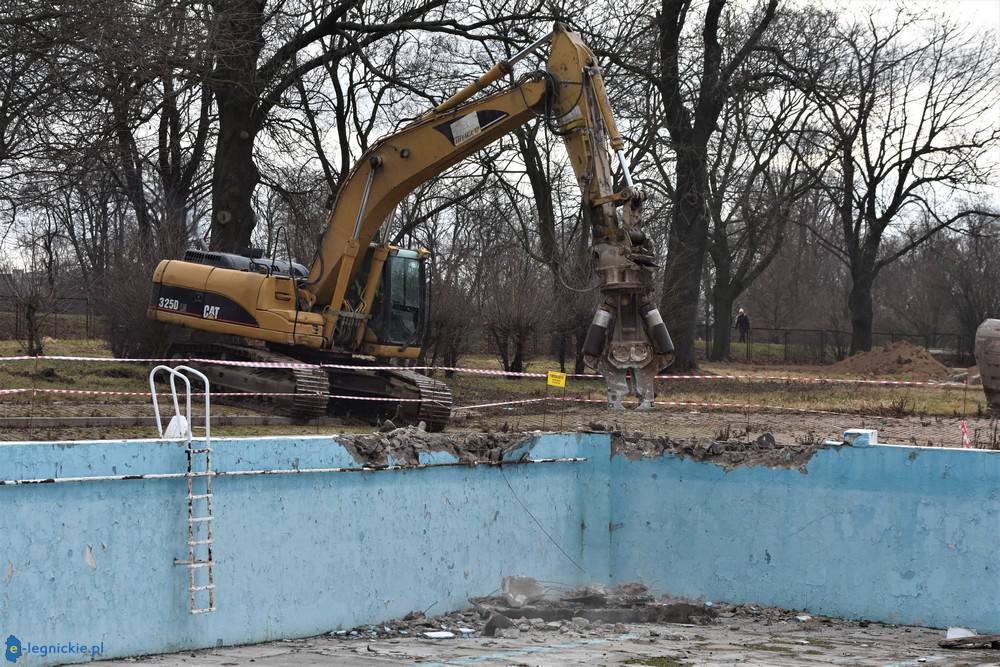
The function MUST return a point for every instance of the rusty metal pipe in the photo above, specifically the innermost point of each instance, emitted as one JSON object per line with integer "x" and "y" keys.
{"x": 277, "y": 471}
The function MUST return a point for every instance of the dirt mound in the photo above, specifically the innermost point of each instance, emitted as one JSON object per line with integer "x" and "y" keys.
{"x": 900, "y": 358}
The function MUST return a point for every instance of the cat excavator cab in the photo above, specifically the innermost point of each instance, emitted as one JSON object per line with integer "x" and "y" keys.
{"x": 310, "y": 337}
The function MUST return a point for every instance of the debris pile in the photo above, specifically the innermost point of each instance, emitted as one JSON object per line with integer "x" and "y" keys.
{"x": 762, "y": 451}
{"x": 582, "y": 607}
{"x": 585, "y": 611}
{"x": 404, "y": 445}
{"x": 899, "y": 359}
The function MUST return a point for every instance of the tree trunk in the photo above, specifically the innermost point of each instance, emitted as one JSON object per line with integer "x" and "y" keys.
{"x": 33, "y": 329}
{"x": 685, "y": 258}
{"x": 500, "y": 340}
{"x": 722, "y": 327}
{"x": 517, "y": 363}
{"x": 580, "y": 336}
{"x": 173, "y": 232}
{"x": 237, "y": 43}
{"x": 859, "y": 302}
{"x": 235, "y": 176}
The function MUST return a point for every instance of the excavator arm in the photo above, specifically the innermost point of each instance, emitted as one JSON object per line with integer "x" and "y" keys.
{"x": 627, "y": 339}
{"x": 335, "y": 311}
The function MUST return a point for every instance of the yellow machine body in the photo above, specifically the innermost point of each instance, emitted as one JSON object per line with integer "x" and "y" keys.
{"x": 347, "y": 302}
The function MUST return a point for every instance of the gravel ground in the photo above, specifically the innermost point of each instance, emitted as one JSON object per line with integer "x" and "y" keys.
{"x": 745, "y": 635}
{"x": 786, "y": 427}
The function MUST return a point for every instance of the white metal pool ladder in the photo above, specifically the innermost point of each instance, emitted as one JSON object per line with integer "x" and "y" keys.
{"x": 200, "y": 534}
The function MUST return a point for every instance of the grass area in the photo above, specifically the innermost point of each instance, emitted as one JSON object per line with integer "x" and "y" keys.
{"x": 70, "y": 374}
{"x": 62, "y": 347}
{"x": 53, "y": 324}
{"x": 754, "y": 385}
{"x": 779, "y": 353}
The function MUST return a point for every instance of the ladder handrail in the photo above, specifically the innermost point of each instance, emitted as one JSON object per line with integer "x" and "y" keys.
{"x": 176, "y": 372}
{"x": 195, "y": 562}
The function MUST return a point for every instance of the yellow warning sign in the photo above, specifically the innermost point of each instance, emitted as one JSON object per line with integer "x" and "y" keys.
{"x": 556, "y": 379}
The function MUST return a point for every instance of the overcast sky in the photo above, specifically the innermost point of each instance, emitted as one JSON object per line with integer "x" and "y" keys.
{"x": 982, "y": 14}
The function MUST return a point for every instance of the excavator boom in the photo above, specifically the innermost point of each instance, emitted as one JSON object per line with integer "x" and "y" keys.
{"x": 359, "y": 296}
{"x": 628, "y": 339}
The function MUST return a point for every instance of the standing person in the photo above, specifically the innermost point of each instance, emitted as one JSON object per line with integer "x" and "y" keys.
{"x": 743, "y": 324}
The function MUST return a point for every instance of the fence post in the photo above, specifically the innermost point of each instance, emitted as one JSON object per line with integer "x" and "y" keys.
{"x": 786, "y": 346}
{"x": 822, "y": 346}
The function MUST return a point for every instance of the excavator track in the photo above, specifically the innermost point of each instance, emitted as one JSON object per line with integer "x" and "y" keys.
{"x": 418, "y": 398}
{"x": 434, "y": 407}
{"x": 305, "y": 389}
{"x": 308, "y": 388}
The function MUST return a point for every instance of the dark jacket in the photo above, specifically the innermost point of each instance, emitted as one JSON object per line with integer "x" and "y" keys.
{"x": 743, "y": 322}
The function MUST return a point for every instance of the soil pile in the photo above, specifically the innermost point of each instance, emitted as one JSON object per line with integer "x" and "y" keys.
{"x": 900, "y": 358}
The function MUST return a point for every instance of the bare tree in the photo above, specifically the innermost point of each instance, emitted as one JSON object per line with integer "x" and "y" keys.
{"x": 691, "y": 115}
{"x": 910, "y": 107}
{"x": 31, "y": 278}
{"x": 972, "y": 275}
{"x": 260, "y": 55}
{"x": 516, "y": 307}
{"x": 914, "y": 293}
{"x": 756, "y": 182}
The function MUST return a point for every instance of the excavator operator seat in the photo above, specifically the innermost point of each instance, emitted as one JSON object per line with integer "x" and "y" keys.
{"x": 399, "y": 309}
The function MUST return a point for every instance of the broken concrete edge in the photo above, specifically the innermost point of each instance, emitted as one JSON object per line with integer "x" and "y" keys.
{"x": 411, "y": 446}
{"x": 727, "y": 454}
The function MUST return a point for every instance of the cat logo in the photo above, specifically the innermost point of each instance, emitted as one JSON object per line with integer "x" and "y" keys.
{"x": 211, "y": 313}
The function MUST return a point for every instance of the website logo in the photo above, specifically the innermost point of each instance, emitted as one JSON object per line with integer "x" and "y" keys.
{"x": 12, "y": 648}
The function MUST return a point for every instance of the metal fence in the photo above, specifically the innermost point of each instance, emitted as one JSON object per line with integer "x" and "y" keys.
{"x": 65, "y": 317}
{"x": 75, "y": 317}
{"x": 826, "y": 346}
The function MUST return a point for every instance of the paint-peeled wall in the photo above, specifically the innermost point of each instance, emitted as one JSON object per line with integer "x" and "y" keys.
{"x": 296, "y": 555}
{"x": 886, "y": 533}
{"x": 889, "y": 533}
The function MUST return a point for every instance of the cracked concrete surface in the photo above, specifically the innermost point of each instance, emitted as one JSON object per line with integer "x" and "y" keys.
{"x": 740, "y": 635}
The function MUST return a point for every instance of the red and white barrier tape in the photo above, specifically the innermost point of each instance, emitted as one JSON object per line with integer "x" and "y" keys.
{"x": 500, "y": 404}
{"x": 562, "y": 399}
{"x": 491, "y": 372}
{"x": 94, "y": 392}
{"x": 682, "y": 404}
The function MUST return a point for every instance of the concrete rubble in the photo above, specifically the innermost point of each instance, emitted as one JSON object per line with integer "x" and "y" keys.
{"x": 589, "y": 609}
{"x": 405, "y": 444}
{"x": 734, "y": 634}
{"x": 729, "y": 453}
{"x": 519, "y": 591}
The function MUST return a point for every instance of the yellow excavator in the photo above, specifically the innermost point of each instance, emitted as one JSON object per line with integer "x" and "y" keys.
{"x": 359, "y": 312}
